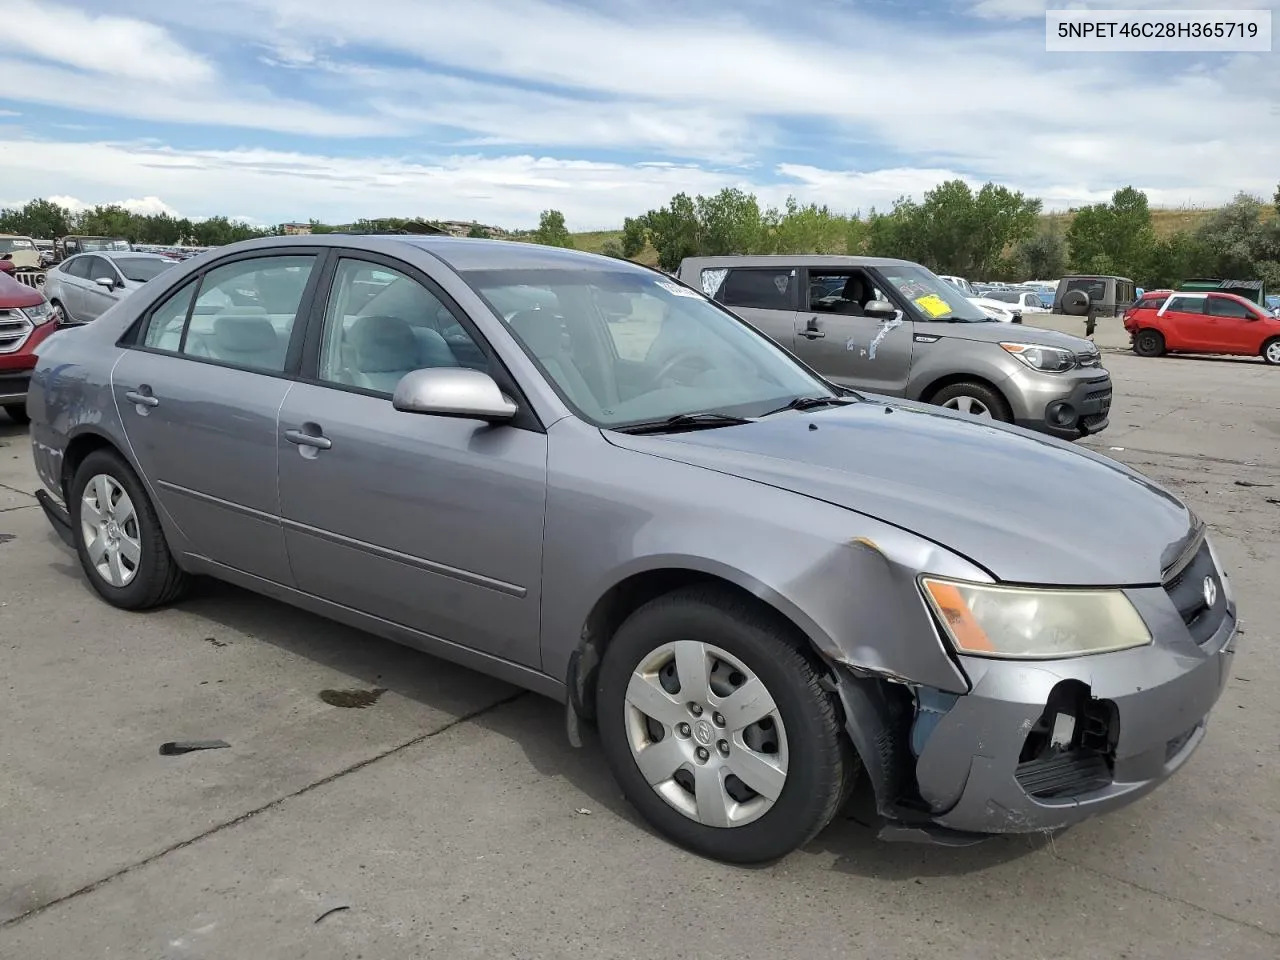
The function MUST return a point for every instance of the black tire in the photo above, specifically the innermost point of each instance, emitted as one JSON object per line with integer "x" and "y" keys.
{"x": 1148, "y": 343}
{"x": 988, "y": 396}
{"x": 1271, "y": 351}
{"x": 821, "y": 765}
{"x": 17, "y": 413}
{"x": 158, "y": 579}
{"x": 59, "y": 311}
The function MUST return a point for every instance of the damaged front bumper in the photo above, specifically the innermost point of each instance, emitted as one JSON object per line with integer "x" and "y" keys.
{"x": 1037, "y": 746}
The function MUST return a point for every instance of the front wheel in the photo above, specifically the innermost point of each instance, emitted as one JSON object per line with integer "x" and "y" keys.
{"x": 1148, "y": 343}
{"x": 1271, "y": 351}
{"x": 17, "y": 413}
{"x": 118, "y": 536}
{"x": 975, "y": 399}
{"x": 59, "y": 312}
{"x": 718, "y": 730}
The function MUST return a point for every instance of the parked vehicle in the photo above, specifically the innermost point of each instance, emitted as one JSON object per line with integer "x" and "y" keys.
{"x": 1255, "y": 291}
{"x": 1022, "y": 301}
{"x": 982, "y": 296}
{"x": 1109, "y": 296}
{"x": 19, "y": 251}
{"x": 25, "y": 322}
{"x": 1167, "y": 321}
{"x": 761, "y": 587}
{"x": 69, "y": 246}
{"x": 901, "y": 331}
{"x": 83, "y": 287}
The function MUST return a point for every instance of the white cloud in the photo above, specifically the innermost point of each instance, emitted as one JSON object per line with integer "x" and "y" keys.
{"x": 146, "y": 206}
{"x": 1035, "y": 9}
{"x": 117, "y": 46}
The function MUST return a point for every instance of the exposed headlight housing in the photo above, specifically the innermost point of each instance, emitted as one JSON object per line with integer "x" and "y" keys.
{"x": 39, "y": 314}
{"x": 1037, "y": 357}
{"x": 1022, "y": 623}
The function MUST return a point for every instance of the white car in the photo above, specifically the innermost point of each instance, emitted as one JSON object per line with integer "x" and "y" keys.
{"x": 1024, "y": 301}
{"x": 83, "y": 287}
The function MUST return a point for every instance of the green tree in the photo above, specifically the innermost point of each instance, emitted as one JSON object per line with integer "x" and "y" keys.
{"x": 551, "y": 230}
{"x": 729, "y": 223}
{"x": 1235, "y": 243}
{"x": 807, "y": 229}
{"x": 674, "y": 231}
{"x": 612, "y": 248}
{"x": 634, "y": 236}
{"x": 1041, "y": 257}
{"x": 478, "y": 232}
{"x": 111, "y": 220}
{"x": 1114, "y": 237}
{"x": 42, "y": 219}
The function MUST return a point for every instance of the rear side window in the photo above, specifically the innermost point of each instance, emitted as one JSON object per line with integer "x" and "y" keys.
{"x": 77, "y": 267}
{"x": 1152, "y": 303}
{"x": 1222, "y": 307}
{"x": 164, "y": 327}
{"x": 767, "y": 288}
{"x": 1186, "y": 305}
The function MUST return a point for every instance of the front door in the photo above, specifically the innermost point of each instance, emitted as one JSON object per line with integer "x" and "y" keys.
{"x": 765, "y": 297}
{"x": 433, "y": 523}
{"x": 1232, "y": 326}
{"x": 836, "y": 339}
{"x": 199, "y": 396}
{"x": 97, "y": 298}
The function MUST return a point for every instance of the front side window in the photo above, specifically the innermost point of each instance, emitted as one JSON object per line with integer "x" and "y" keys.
{"x": 1225, "y": 307}
{"x": 245, "y": 312}
{"x": 624, "y": 347}
{"x": 101, "y": 269}
{"x": 381, "y": 324}
{"x": 840, "y": 291}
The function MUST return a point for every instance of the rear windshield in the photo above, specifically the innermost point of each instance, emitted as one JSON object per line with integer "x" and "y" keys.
{"x": 142, "y": 269}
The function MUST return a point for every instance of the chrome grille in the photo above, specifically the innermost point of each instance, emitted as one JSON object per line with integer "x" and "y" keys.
{"x": 14, "y": 330}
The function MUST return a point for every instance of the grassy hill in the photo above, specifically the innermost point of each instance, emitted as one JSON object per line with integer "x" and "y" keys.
{"x": 1165, "y": 222}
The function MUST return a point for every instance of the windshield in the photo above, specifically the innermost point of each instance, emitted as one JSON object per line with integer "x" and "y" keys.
{"x": 933, "y": 297}
{"x": 141, "y": 269}
{"x": 624, "y": 347}
{"x": 14, "y": 244}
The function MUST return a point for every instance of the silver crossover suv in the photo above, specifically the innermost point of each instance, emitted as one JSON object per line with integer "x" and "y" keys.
{"x": 583, "y": 477}
{"x": 892, "y": 327}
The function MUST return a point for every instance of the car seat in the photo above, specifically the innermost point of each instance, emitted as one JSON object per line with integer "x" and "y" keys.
{"x": 246, "y": 341}
{"x": 384, "y": 350}
{"x": 543, "y": 334}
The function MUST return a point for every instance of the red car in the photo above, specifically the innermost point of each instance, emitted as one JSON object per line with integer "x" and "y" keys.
{"x": 25, "y": 321}
{"x": 1165, "y": 321}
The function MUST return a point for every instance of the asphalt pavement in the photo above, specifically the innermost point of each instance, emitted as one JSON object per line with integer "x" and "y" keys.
{"x": 449, "y": 817}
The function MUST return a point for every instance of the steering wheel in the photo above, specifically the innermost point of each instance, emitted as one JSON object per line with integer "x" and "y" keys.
{"x": 680, "y": 358}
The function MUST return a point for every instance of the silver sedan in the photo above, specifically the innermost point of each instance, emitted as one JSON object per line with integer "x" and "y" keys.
{"x": 586, "y": 478}
{"x": 83, "y": 287}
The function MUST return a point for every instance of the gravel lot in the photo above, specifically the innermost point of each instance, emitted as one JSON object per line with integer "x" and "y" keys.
{"x": 452, "y": 819}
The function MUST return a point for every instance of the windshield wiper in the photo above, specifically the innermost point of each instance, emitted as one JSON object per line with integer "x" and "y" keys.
{"x": 810, "y": 403}
{"x": 685, "y": 421}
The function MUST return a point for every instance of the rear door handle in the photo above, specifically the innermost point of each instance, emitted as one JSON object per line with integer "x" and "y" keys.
{"x": 143, "y": 399}
{"x": 308, "y": 439}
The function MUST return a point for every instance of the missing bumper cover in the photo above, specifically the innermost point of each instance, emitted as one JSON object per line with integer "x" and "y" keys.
{"x": 1070, "y": 751}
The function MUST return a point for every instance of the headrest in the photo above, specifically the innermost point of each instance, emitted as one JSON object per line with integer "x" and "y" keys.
{"x": 541, "y": 331}
{"x": 384, "y": 344}
{"x": 239, "y": 334}
{"x": 854, "y": 289}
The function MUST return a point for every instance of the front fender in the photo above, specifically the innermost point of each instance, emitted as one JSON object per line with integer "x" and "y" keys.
{"x": 848, "y": 582}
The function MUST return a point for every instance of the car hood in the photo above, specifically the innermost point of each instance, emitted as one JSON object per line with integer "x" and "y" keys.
{"x": 997, "y": 331}
{"x": 1027, "y": 508}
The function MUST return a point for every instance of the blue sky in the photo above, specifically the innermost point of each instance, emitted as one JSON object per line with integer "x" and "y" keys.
{"x": 493, "y": 110}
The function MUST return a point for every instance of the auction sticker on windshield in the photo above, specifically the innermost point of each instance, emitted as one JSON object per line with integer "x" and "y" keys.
{"x": 933, "y": 305}
{"x": 679, "y": 291}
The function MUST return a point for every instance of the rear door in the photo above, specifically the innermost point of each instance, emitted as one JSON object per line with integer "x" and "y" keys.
{"x": 1182, "y": 322}
{"x": 199, "y": 391}
{"x": 768, "y": 298}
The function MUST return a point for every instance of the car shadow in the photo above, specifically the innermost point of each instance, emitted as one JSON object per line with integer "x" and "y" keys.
{"x": 538, "y": 728}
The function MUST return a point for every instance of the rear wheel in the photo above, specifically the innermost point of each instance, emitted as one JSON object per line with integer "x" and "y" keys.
{"x": 17, "y": 413}
{"x": 118, "y": 536}
{"x": 1148, "y": 343}
{"x": 975, "y": 399}
{"x": 718, "y": 730}
{"x": 1271, "y": 351}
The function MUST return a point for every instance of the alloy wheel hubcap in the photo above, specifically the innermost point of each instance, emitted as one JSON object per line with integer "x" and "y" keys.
{"x": 109, "y": 528}
{"x": 969, "y": 405}
{"x": 1273, "y": 353}
{"x": 706, "y": 734}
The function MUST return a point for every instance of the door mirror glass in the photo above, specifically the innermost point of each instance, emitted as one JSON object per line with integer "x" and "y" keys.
{"x": 453, "y": 392}
{"x": 880, "y": 308}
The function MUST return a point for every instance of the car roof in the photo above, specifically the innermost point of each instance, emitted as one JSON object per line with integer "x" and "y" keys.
{"x": 798, "y": 260}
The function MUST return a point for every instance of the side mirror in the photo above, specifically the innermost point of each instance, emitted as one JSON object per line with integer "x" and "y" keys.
{"x": 880, "y": 308}
{"x": 453, "y": 392}
{"x": 105, "y": 282}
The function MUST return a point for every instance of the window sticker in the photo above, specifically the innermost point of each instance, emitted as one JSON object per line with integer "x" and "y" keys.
{"x": 933, "y": 305}
{"x": 676, "y": 290}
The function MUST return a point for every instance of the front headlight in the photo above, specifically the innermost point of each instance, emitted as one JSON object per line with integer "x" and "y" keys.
{"x": 41, "y": 313}
{"x": 1020, "y": 623}
{"x": 1050, "y": 359}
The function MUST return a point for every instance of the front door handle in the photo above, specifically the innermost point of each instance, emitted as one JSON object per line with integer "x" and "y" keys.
{"x": 308, "y": 439}
{"x": 811, "y": 332}
{"x": 142, "y": 399}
